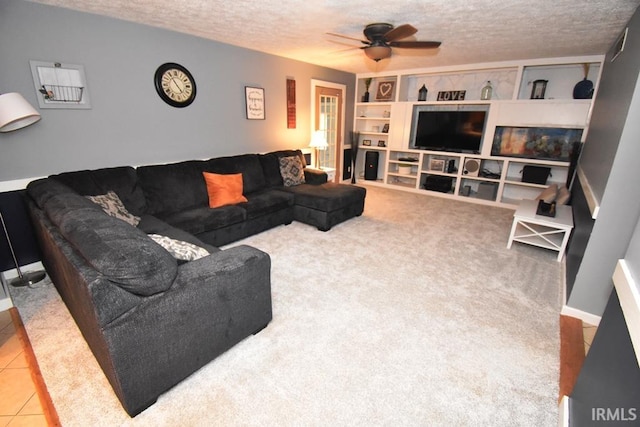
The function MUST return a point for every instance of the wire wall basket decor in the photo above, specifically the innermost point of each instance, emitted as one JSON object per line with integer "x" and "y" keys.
{"x": 62, "y": 93}
{"x": 60, "y": 85}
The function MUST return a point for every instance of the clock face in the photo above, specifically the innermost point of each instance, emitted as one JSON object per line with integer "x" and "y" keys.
{"x": 175, "y": 85}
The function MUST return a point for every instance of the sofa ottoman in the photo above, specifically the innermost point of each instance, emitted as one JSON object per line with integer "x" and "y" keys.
{"x": 326, "y": 205}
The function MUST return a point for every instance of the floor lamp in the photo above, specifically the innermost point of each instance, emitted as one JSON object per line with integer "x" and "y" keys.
{"x": 16, "y": 113}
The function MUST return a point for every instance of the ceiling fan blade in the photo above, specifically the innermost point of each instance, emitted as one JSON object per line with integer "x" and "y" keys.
{"x": 415, "y": 44}
{"x": 401, "y": 32}
{"x": 347, "y": 37}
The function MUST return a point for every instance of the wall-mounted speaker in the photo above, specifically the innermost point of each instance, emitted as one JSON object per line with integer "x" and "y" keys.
{"x": 471, "y": 167}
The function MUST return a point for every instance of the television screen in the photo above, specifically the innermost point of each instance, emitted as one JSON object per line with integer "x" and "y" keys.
{"x": 450, "y": 128}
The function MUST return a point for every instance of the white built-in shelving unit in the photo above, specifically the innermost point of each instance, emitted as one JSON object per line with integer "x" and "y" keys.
{"x": 385, "y": 125}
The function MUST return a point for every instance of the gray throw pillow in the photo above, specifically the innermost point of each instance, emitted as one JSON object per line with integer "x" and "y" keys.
{"x": 292, "y": 171}
{"x": 112, "y": 205}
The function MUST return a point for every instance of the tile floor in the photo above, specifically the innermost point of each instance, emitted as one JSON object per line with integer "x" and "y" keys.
{"x": 19, "y": 402}
{"x": 588, "y": 331}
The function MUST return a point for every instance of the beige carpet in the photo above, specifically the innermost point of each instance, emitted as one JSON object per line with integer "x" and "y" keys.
{"x": 413, "y": 314}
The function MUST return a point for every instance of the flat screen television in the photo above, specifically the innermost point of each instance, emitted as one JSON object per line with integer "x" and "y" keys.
{"x": 455, "y": 128}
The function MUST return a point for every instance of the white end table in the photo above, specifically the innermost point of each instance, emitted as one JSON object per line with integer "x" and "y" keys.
{"x": 539, "y": 230}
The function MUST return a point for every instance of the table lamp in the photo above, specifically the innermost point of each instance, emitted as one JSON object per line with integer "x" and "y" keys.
{"x": 318, "y": 142}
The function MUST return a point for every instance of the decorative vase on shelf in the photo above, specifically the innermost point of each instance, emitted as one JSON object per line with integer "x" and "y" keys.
{"x": 584, "y": 88}
{"x": 422, "y": 93}
{"x": 367, "y": 83}
{"x": 486, "y": 91}
{"x": 355, "y": 140}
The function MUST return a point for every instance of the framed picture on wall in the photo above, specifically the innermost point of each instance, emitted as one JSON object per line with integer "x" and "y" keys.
{"x": 254, "y": 97}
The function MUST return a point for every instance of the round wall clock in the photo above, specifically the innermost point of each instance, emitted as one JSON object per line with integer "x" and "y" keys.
{"x": 175, "y": 84}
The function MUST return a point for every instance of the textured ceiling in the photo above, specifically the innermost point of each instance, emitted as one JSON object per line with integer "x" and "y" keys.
{"x": 471, "y": 31}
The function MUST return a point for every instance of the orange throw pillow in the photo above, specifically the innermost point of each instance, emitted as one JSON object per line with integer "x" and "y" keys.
{"x": 224, "y": 189}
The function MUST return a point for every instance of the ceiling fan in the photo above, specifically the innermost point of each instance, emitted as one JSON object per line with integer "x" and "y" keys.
{"x": 381, "y": 37}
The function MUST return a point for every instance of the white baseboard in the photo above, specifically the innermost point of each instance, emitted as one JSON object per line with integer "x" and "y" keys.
{"x": 589, "y": 318}
{"x": 563, "y": 412}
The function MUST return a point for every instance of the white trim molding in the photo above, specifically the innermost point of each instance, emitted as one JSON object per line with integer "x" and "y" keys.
{"x": 589, "y": 318}
{"x": 592, "y": 201}
{"x": 629, "y": 296}
{"x": 563, "y": 412}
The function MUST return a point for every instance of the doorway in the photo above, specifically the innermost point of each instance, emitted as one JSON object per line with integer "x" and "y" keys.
{"x": 328, "y": 117}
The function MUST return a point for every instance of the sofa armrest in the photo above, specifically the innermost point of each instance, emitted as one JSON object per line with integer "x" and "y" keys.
{"x": 315, "y": 176}
{"x": 214, "y": 303}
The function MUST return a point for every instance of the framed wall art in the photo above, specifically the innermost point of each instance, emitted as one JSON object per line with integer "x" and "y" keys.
{"x": 436, "y": 165}
{"x": 254, "y": 97}
{"x": 385, "y": 91}
{"x": 60, "y": 85}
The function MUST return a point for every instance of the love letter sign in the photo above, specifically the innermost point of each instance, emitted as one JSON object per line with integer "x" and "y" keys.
{"x": 451, "y": 95}
{"x": 385, "y": 91}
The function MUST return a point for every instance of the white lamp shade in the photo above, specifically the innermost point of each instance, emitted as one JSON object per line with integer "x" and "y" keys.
{"x": 318, "y": 140}
{"x": 16, "y": 112}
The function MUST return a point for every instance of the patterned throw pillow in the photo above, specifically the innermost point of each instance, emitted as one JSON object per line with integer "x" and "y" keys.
{"x": 112, "y": 205}
{"x": 292, "y": 171}
{"x": 178, "y": 249}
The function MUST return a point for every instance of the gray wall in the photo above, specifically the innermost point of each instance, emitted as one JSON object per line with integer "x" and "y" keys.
{"x": 128, "y": 123}
{"x": 609, "y": 160}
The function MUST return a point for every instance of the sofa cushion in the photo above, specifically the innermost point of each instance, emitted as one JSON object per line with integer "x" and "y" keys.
{"x": 152, "y": 225}
{"x": 122, "y": 180}
{"x": 224, "y": 189}
{"x": 271, "y": 168}
{"x": 119, "y": 251}
{"x": 113, "y": 206}
{"x": 58, "y": 206}
{"x": 200, "y": 220}
{"x": 247, "y": 164}
{"x": 292, "y": 171}
{"x": 267, "y": 202}
{"x": 41, "y": 190}
{"x": 327, "y": 197}
{"x": 179, "y": 249}
{"x": 173, "y": 187}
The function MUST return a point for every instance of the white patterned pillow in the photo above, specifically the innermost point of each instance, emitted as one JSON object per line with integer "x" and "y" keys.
{"x": 292, "y": 171}
{"x": 112, "y": 205}
{"x": 178, "y": 249}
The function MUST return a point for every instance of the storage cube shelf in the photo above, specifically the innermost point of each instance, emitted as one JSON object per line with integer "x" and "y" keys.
{"x": 387, "y": 125}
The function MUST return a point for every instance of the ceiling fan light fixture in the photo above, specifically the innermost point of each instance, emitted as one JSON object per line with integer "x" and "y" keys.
{"x": 377, "y": 52}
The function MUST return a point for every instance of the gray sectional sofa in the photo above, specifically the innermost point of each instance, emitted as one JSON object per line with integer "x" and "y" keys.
{"x": 149, "y": 318}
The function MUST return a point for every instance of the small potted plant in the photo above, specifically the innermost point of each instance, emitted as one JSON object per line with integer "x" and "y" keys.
{"x": 367, "y": 83}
